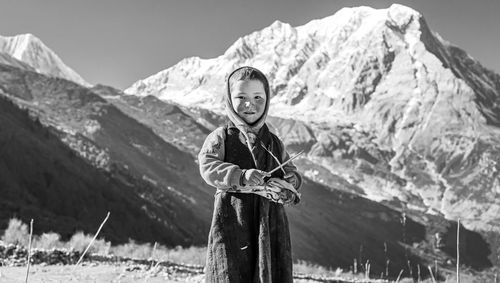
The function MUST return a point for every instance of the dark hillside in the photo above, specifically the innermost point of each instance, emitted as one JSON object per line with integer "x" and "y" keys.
{"x": 335, "y": 228}
{"x": 165, "y": 178}
{"x": 41, "y": 178}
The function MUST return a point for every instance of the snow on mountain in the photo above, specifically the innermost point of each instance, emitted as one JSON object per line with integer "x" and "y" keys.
{"x": 395, "y": 109}
{"x": 315, "y": 58}
{"x": 340, "y": 62}
{"x": 29, "y": 49}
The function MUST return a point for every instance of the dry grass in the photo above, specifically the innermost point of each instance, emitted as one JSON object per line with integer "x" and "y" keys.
{"x": 18, "y": 233}
{"x": 93, "y": 239}
{"x": 305, "y": 267}
{"x": 47, "y": 241}
{"x": 28, "y": 263}
{"x": 190, "y": 255}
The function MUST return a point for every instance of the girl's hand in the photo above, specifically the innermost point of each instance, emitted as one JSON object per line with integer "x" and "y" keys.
{"x": 292, "y": 179}
{"x": 254, "y": 177}
{"x": 287, "y": 197}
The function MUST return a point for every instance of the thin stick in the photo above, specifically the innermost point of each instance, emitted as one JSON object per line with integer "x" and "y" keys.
{"x": 419, "y": 279}
{"x": 367, "y": 269}
{"x": 91, "y": 242}
{"x": 250, "y": 148}
{"x": 275, "y": 158}
{"x": 436, "y": 267}
{"x": 410, "y": 269}
{"x": 386, "y": 260}
{"x": 29, "y": 250}
{"x": 152, "y": 262}
{"x": 432, "y": 275}
{"x": 399, "y": 276}
{"x": 153, "y": 255}
{"x": 458, "y": 250}
{"x": 286, "y": 162}
{"x": 387, "y": 268}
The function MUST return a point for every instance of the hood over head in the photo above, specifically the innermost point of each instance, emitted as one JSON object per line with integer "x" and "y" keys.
{"x": 246, "y": 73}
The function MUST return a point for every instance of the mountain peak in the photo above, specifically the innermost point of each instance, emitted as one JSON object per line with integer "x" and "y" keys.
{"x": 28, "y": 37}
{"x": 402, "y": 15}
{"x": 277, "y": 24}
{"x": 32, "y": 51}
{"x": 401, "y": 9}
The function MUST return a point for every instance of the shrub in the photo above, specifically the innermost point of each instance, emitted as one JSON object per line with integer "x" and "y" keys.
{"x": 191, "y": 255}
{"x": 48, "y": 241}
{"x": 16, "y": 233}
{"x": 79, "y": 241}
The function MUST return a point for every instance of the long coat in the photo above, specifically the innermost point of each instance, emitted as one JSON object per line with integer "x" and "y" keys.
{"x": 249, "y": 239}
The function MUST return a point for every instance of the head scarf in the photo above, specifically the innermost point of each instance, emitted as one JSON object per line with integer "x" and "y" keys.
{"x": 248, "y": 130}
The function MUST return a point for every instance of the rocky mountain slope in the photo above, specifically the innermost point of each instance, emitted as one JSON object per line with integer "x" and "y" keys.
{"x": 385, "y": 108}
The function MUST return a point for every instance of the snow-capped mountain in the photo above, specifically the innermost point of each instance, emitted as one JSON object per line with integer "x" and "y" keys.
{"x": 341, "y": 62}
{"x": 315, "y": 58}
{"x": 393, "y": 109}
{"x": 32, "y": 51}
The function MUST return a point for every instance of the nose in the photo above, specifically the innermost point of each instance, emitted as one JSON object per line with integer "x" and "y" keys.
{"x": 248, "y": 104}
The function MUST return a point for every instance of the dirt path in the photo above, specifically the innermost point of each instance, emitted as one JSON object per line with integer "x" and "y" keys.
{"x": 107, "y": 273}
{"x": 102, "y": 273}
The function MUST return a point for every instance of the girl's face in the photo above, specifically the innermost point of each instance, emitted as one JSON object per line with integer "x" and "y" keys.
{"x": 249, "y": 99}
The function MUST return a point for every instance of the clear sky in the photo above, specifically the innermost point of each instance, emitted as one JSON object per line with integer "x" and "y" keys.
{"x": 117, "y": 42}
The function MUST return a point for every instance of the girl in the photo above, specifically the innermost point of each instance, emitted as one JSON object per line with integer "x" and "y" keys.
{"x": 249, "y": 239}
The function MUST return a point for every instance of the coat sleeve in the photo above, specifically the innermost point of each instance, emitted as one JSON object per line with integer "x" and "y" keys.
{"x": 290, "y": 168}
{"x": 213, "y": 169}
